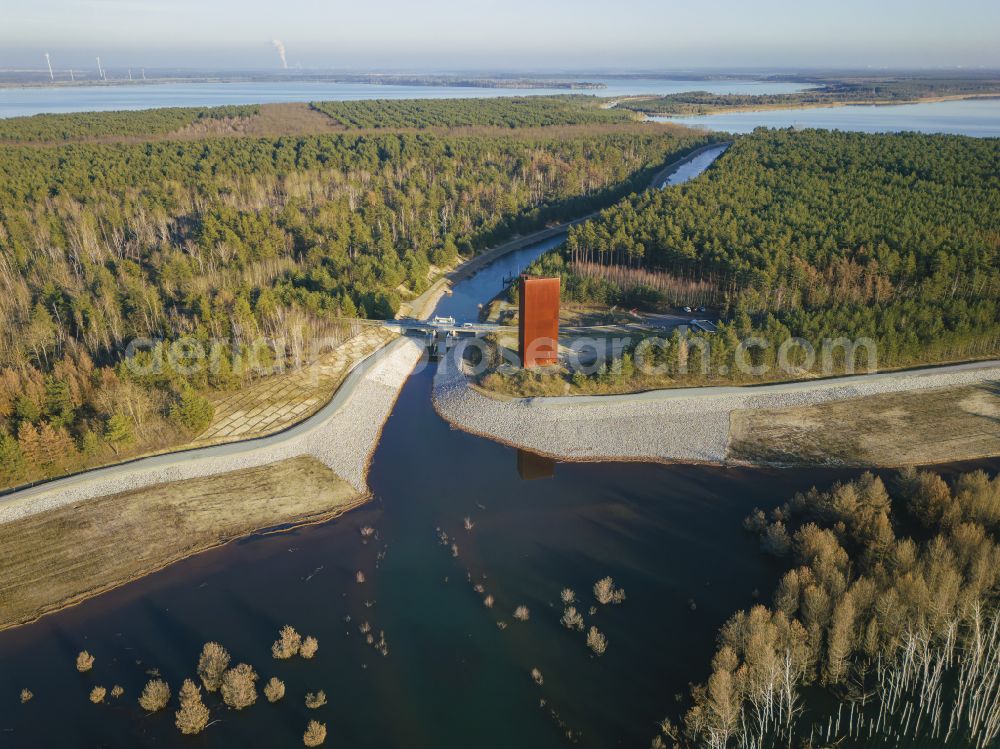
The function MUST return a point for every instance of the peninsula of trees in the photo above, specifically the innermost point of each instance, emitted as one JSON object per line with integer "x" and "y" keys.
{"x": 904, "y": 90}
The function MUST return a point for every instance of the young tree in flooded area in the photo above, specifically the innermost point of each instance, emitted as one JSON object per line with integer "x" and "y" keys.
{"x": 596, "y": 641}
{"x": 316, "y": 700}
{"x": 155, "y": 695}
{"x": 239, "y": 688}
{"x": 212, "y": 663}
{"x": 572, "y": 619}
{"x": 84, "y": 662}
{"x": 309, "y": 647}
{"x": 315, "y": 734}
{"x": 193, "y": 715}
{"x": 97, "y": 694}
{"x": 605, "y": 591}
{"x": 288, "y": 643}
{"x": 274, "y": 690}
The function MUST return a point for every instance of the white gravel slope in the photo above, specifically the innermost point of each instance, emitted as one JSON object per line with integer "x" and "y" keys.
{"x": 342, "y": 435}
{"x": 689, "y": 424}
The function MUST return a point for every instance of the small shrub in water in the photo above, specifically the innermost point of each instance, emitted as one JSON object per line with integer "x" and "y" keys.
{"x": 522, "y": 614}
{"x": 84, "y": 662}
{"x": 605, "y": 592}
{"x": 117, "y": 691}
{"x": 315, "y": 734}
{"x": 488, "y": 602}
{"x": 274, "y": 690}
{"x": 596, "y": 641}
{"x": 238, "y": 686}
{"x": 537, "y": 676}
{"x": 97, "y": 695}
{"x": 309, "y": 647}
{"x": 314, "y": 701}
{"x": 572, "y": 619}
{"x": 568, "y": 596}
{"x": 288, "y": 643}
{"x": 26, "y": 695}
{"x": 155, "y": 695}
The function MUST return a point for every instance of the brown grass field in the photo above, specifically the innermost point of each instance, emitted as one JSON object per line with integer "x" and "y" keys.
{"x": 61, "y": 557}
{"x": 939, "y": 425}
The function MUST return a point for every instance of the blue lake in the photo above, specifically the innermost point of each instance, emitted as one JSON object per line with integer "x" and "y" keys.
{"x": 979, "y": 117}
{"x": 16, "y": 102}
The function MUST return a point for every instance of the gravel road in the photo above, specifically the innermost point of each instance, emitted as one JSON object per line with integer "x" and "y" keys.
{"x": 689, "y": 424}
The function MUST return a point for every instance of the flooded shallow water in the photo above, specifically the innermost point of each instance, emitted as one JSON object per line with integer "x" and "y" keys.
{"x": 670, "y": 535}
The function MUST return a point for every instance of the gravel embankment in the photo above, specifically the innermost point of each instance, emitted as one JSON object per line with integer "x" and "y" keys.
{"x": 690, "y": 424}
{"x": 343, "y": 435}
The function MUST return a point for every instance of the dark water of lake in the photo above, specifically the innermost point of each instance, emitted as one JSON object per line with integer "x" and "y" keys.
{"x": 670, "y": 535}
{"x": 16, "y": 102}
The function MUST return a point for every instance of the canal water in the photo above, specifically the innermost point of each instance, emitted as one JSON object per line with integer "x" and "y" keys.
{"x": 670, "y": 535}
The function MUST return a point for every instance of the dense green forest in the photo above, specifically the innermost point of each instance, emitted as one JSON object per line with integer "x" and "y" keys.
{"x": 880, "y": 91}
{"x": 817, "y": 234}
{"x": 886, "y": 629}
{"x": 237, "y": 238}
{"x": 525, "y": 111}
{"x": 80, "y": 125}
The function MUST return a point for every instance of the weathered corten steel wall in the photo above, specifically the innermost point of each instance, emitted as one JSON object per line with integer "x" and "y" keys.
{"x": 538, "y": 321}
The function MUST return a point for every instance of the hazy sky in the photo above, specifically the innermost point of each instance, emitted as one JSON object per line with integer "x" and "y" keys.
{"x": 507, "y": 34}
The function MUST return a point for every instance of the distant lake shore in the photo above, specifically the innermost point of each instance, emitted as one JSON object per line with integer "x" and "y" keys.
{"x": 977, "y": 116}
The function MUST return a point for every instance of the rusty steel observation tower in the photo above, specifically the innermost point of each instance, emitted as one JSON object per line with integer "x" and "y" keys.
{"x": 538, "y": 321}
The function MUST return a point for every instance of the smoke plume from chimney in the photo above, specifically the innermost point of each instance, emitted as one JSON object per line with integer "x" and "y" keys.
{"x": 278, "y": 45}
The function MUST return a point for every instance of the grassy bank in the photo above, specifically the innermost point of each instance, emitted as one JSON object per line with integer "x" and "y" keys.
{"x": 941, "y": 425}
{"x": 61, "y": 557}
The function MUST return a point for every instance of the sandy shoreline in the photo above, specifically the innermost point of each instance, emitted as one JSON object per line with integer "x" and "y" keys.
{"x": 684, "y": 425}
